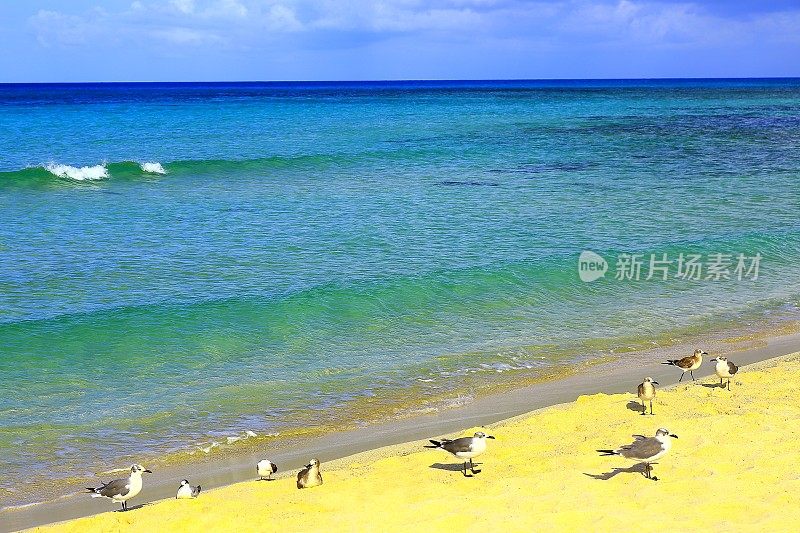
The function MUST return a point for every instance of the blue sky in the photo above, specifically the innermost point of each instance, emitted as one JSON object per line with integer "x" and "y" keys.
{"x": 185, "y": 40}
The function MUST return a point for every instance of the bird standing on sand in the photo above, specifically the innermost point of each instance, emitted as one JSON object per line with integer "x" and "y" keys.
{"x": 121, "y": 490}
{"x": 725, "y": 370}
{"x": 688, "y": 364}
{"x": 646, "y": 392}
{"x": 309, "y": 476}
{"x": 186, "y": 491}
{"x": 464, "y": 448}
{"x": 265, "y": 469}
{"x": 645, "y": 449}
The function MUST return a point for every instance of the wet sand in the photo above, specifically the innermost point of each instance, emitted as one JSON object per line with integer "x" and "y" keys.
{"x": 617, "y": 377}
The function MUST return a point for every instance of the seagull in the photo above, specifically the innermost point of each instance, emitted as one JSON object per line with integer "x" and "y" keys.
{"x": 464, "y": 448}
{"x": 725, "y": 369}
{"x": 647, "y": 391}
{"x": 121, "y": 490}
{"x": 688, "y": 364}
{"x": 186, "y": 491}
{"x": 265, "y": 469}
{"x": 309, "y": 476}
{"x": 645, "y": 449}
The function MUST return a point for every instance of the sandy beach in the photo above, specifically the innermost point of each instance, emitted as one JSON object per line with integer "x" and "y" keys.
{"x": 733, "y": 467}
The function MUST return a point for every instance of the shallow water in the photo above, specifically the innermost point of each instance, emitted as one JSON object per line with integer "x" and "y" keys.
{"x": 299, "y": 247}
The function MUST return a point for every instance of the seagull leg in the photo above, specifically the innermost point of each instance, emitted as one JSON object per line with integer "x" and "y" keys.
{"x": 681, "y": 377}
{"x": 472, "y": 468}
{"x": 647, "y": 470}
{"x": 654, "y": 478}
{"x": 644, "y": 408}
{"x": 729, "y": 383}
{"x": 691, "y": 372}
{"x": 651, "y": 407}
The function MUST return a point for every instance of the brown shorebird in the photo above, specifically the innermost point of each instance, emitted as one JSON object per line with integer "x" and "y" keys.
{"x": 646, "y": 392}
{"x": 309, "y": 476}
{"x": 464, "y": 448}
{"x": 725, "y": 370}
{"x": 688, "y": 364}
{"x": 645, "y": 449}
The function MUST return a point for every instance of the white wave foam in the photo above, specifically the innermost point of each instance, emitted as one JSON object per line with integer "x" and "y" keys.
{"x": 152, "y": 168}
{"x": 115, "y": 470}
{"x": 21, "y": 506}
{"x": 207, "y": 449}
{"x": 97, "y": 172}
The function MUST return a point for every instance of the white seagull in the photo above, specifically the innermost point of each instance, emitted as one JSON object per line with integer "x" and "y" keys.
{"x": 645, "y": 449}
{"x": 265, "y": 469}
{"x": 646, "y": 392}
{"x": 464, "y": 448}
{"x": 725, "y": 370}
{"x": 186, "y": 491}
{"x": 121, "y": 490}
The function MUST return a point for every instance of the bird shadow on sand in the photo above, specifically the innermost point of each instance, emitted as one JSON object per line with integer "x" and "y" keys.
{"x": 634, "y": 406}
{"x": 132, "y": 508}
{"x": 714, "y": 385}
{"x": 452, "y": 467}
{"x": 635, "y": 469}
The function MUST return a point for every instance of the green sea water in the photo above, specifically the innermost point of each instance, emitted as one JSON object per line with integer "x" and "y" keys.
{"x": 301, "y": 247}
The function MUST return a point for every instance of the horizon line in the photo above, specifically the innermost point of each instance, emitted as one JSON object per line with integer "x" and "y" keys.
{"x": 406, "y": 80}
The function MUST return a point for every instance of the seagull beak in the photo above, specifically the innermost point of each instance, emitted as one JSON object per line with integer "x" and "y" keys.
{"x": 656, "y": 383}
{"x": 714, "y": 360}
{"x": 149, "y": 471}
{"x": 705, "y": 353}
{"x": 674, "y": 436}
{"x": 490, "y": 437}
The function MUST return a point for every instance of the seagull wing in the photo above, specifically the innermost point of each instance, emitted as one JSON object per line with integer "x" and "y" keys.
{"x": 302, "y": 478}
{"x": 118, "y": 487}
{"x": 642, "y": 448}
{"x": 637, "y": 437}
{"x": 464, "y": 444}
{"x": 640, "y": 389}
{"x": 732, "y": 369}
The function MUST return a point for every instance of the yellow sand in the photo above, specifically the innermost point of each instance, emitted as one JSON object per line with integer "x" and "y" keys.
{"x": 736, "y": 467}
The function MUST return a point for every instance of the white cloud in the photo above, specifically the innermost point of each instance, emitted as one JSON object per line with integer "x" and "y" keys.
{"x": 223, "y": 9}
{"x": 241, "y": 23}
{"x": 186, "y": 36}
{"x": 282, "y": 18}
{"x": 184, "y": 6}
{"x": 52, "y": 27}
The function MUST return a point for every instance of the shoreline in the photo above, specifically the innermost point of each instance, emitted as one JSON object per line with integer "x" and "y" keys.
{"x": 621, "y": 375}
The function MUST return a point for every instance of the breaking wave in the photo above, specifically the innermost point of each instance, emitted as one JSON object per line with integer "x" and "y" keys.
{"x": 96, "y": 172}
{"x": 152, "y": 168}
{"x": 53, "y": 173}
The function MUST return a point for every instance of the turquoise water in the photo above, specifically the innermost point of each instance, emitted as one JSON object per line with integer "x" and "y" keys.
{"x": 300, "y": 247}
